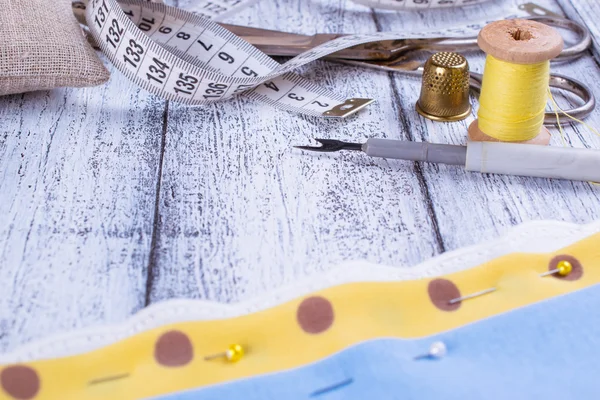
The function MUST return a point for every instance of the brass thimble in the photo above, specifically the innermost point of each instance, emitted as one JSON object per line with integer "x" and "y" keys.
{"x": 445, "y": 88}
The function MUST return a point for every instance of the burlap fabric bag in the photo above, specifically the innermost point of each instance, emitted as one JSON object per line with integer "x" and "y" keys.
{"x": 42, "y": 47}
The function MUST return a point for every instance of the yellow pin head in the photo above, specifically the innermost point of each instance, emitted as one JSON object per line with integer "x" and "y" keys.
{"x": 564, "y": 268}
{"x": 234, "y": 353}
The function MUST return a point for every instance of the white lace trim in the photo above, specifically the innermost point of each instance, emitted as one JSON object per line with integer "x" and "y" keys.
{"x": 532, "y": 237}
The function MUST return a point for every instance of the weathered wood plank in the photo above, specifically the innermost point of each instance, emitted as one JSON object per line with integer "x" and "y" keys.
{"x": 241, "y": 212}
{"x": 78, "y": 172}
{"x": 587, "y": 12}
{"x": 471, "y": 207}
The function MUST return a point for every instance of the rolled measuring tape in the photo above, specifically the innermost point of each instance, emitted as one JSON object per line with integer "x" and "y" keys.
{"x": 185, "y": 57}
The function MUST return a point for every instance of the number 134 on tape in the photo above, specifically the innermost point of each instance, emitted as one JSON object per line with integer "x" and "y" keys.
{"x": 186, "y": 58}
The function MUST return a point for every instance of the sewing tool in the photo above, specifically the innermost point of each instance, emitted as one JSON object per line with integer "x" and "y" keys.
{"x": 331, "y": 388}
{"x": 394, "y": 55}
{"x": 445, "y": 88}
{"x": 515, "y": 88}
{"x": 436, "y": 350}
{"x": 472, "y": 295}
{"x": 234, "y": 353}
{"x": 108, "y": 379}
{"x": 187, "y": 58}
{"x": 484, "y": 157}
{"x": 563, "y": 269}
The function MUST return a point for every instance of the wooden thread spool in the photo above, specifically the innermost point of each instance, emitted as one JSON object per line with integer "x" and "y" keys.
{"x": 515, "y": 41}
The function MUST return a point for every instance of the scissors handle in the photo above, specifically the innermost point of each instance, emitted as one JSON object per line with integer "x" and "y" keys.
{"x": 390, "y": 50}
{"x": 575, "y": 50}
{"x": 276, "y": 43}
{"x": 397, "y": 49}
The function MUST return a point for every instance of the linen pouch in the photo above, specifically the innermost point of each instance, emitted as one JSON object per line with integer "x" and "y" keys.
{"x": 42, "y": 47}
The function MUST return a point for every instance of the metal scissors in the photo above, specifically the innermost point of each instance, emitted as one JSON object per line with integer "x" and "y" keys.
{"x": 393, "y": 55}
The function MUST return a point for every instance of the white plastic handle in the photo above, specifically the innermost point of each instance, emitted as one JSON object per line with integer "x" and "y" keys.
{"x": 534, "y": 160}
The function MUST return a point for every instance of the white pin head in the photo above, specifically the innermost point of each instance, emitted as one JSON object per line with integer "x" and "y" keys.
{"x": 436, "y": 350}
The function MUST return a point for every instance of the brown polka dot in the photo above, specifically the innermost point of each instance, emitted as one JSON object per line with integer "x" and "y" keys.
{"x": 441, "y": 291}
{"x": 173, "y": 349}
{"x": 315, "y": 314}
{"x": 575, "y": 274}
{"x": 20, "y": 382}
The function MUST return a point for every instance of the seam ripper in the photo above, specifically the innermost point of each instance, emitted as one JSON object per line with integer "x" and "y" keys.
{"x": 485, "y": 157}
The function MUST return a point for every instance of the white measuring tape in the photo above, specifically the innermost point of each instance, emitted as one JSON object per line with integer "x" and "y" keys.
{"x": 185, "y": 57}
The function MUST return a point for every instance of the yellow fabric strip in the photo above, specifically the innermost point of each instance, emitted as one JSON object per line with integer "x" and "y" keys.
{"x": 171, "y": 358}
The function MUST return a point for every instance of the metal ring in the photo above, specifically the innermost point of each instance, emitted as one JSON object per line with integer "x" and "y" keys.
{"x": 576, "y": 50}
{"x": 559, "y": 82}
{"x": 579, "y": 90}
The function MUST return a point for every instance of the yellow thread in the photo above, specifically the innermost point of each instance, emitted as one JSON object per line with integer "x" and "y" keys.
{"x": 513, "y": 99}
{"x": 556, "y": 107}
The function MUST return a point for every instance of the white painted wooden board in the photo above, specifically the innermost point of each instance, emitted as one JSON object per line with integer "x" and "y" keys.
{"x": 241, "y": 212}
{"x": 471, "y": 207}
{"x": 587, "y": 11}
{"x": 78, "y": 172}
{"x": 133, "y": 201}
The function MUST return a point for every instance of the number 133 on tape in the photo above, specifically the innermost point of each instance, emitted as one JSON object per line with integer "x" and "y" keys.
{"x": 187, "y": 58}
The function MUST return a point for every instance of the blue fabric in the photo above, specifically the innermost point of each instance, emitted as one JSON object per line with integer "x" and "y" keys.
{"x": 549, "y": 350}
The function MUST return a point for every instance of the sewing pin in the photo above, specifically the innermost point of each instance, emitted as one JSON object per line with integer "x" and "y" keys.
{"x": 108, "y": 379}
{"x": 234, "y": 353}
{"x": 331, "y": 388}
{"x": 563, "y": 268}
{"x": 436, "y": 350}
{"x": 470, "y": 296}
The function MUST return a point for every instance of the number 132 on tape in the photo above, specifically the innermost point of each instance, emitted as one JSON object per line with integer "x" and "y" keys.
{"x": 186, "y": 58}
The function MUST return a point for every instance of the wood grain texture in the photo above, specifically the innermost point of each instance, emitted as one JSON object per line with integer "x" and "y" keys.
{"x": 273, "y": 212}
{"x": 588, "y": 12}
{"x": 241, "y": 212}
{"x": 471, "y": 207}
{"x": 111, "y": 199}
{"x": 78, "y": 173}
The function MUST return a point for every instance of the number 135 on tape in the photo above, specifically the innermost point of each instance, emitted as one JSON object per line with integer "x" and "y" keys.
{"x": 183, "y": 57}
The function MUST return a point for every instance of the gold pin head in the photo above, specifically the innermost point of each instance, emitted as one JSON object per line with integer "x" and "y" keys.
{"x": 234, "y": 353}
{"x": 564, "y": 268}
{"x": 445, "y": 88}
